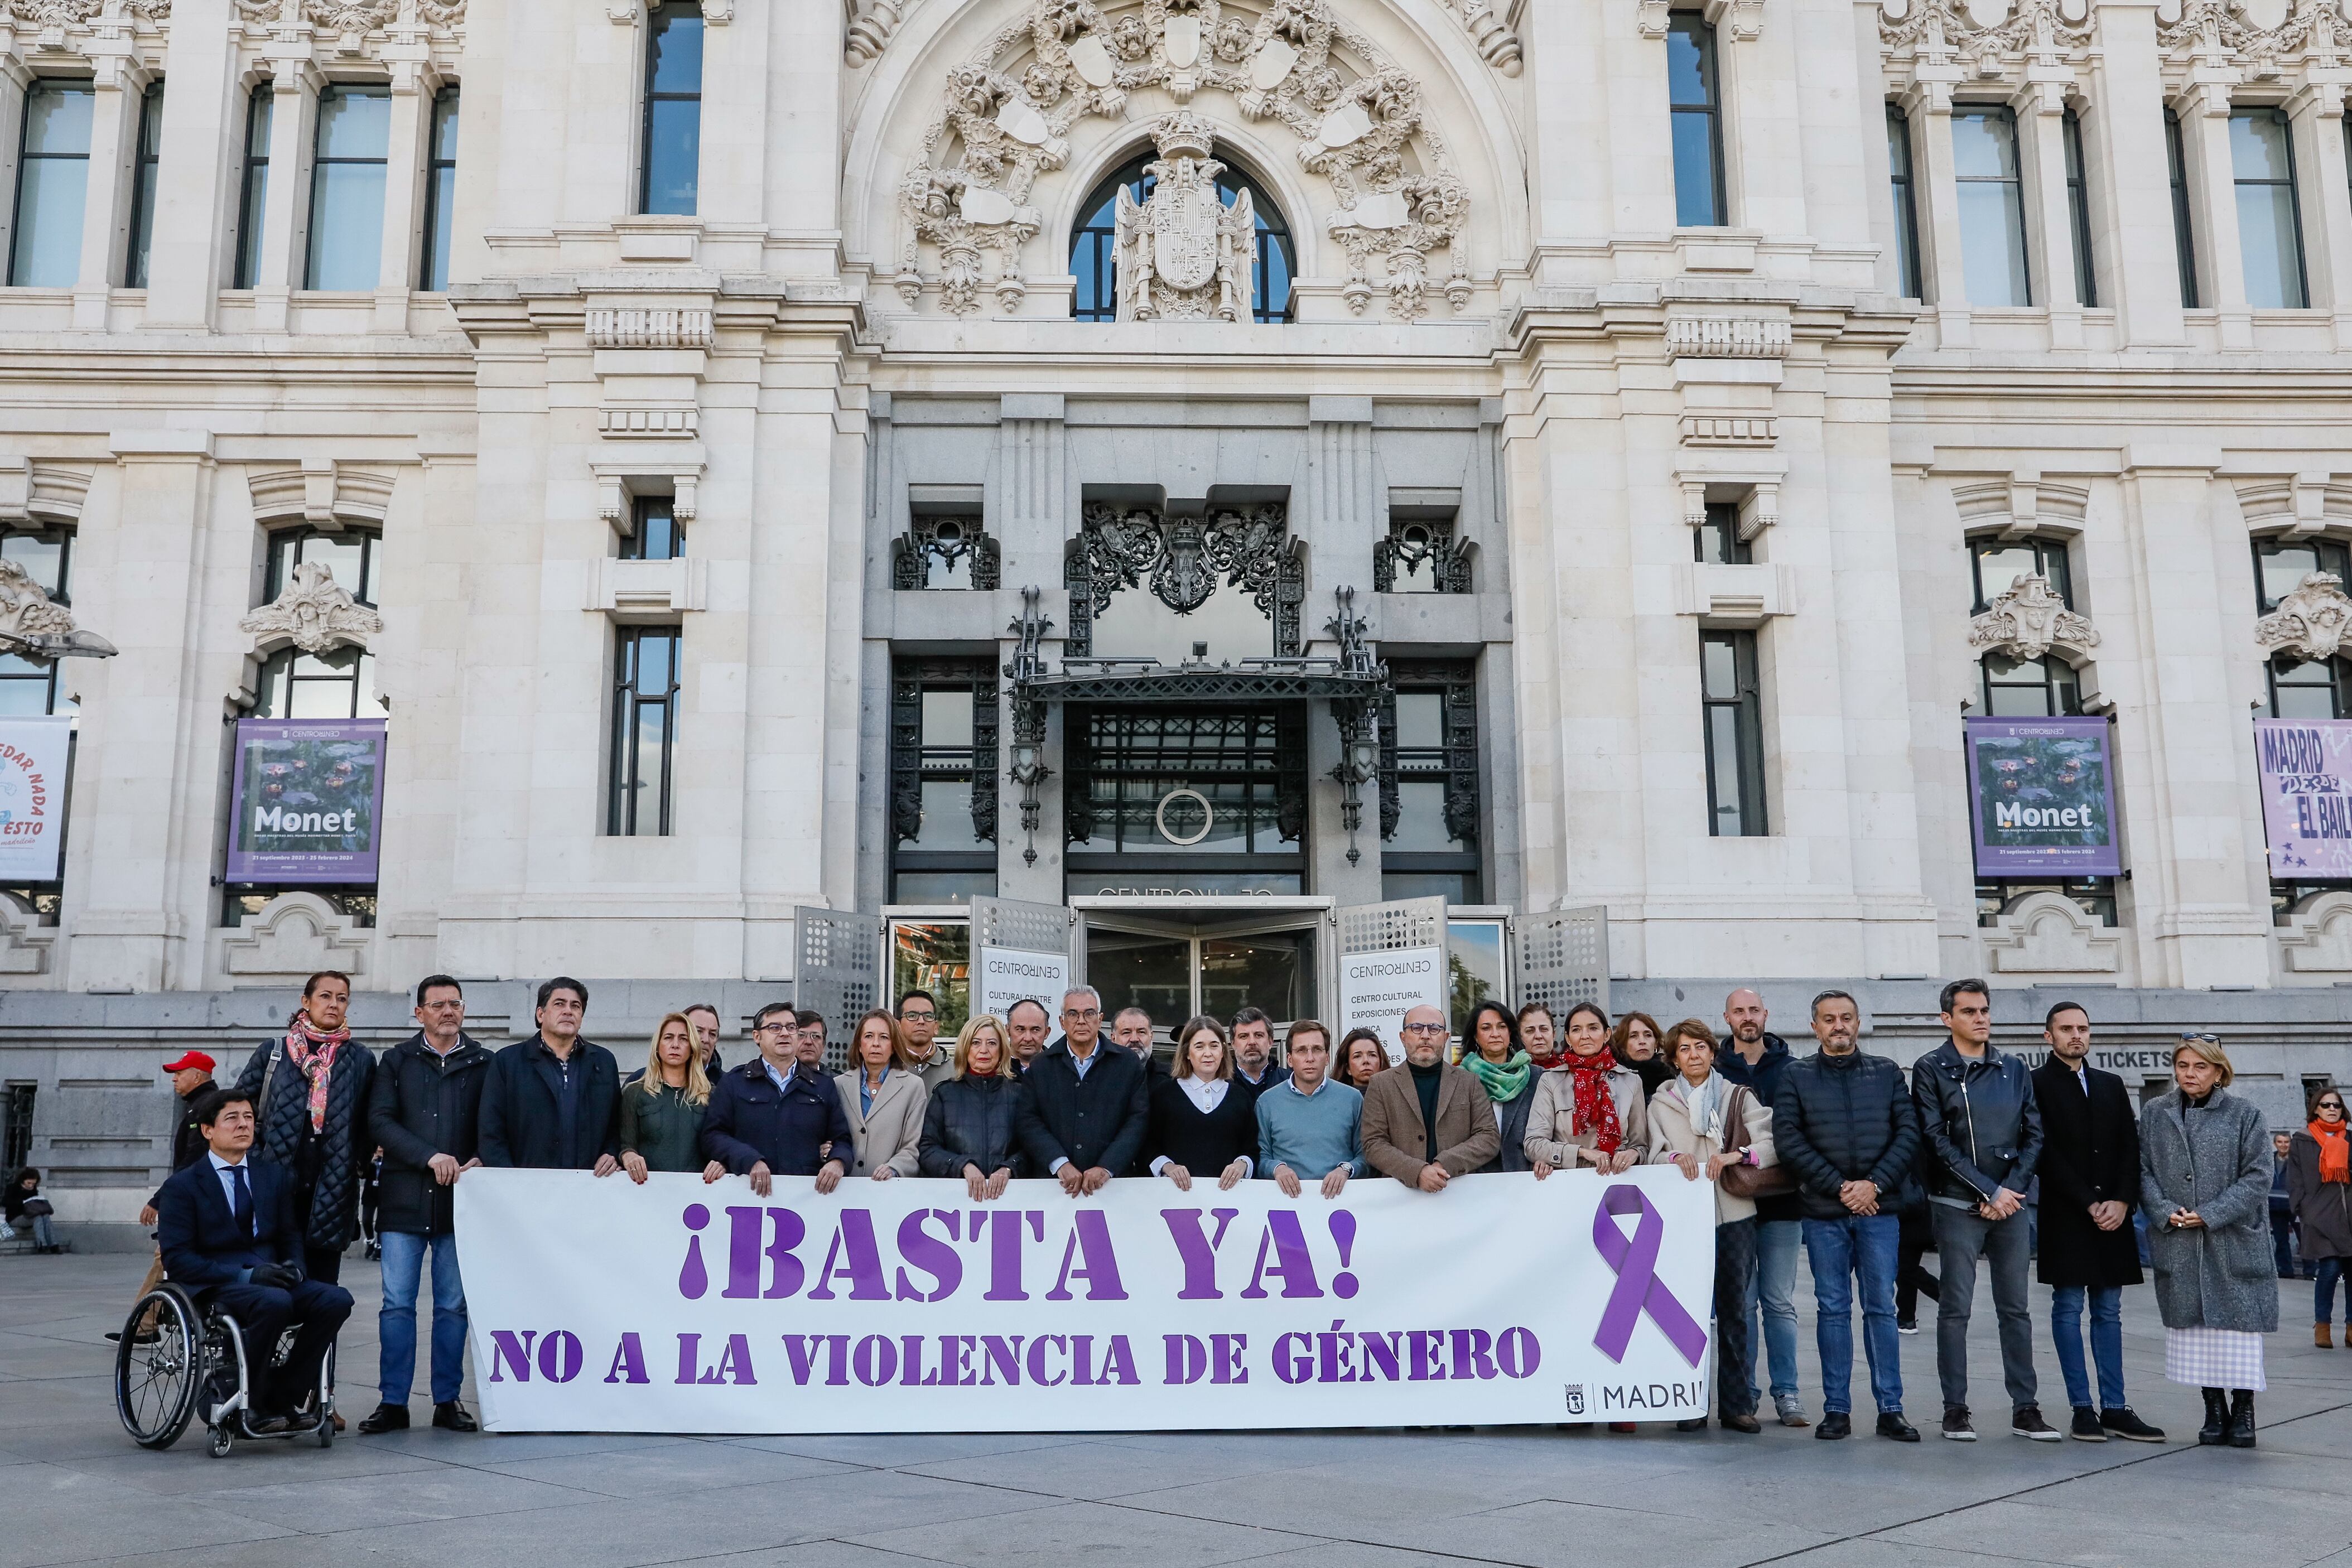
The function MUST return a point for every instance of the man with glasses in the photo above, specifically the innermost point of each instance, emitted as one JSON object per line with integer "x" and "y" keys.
{"x": 775, "y": 1115}
{"x": 1083, "y": 1109}
{"x": 1427, "y": 1122}
{"x": 919, "y": 1015}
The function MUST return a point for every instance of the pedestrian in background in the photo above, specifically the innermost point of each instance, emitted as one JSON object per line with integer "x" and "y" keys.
{"x": 2282, "y": 1207}
{"x": 1539, "y": 1036}
{"x": 424, "y": 1113}
{"x": 884, "y": 1098}
{"x": 662, "y": 1106}
{"x": 2205, "y": 1172}
{"x": 1753, "y": 1055}
{"x": 2320, "y": 1183}
{"x": 1504, "y": 1070}
{"x": 22, "y": 1207}
{"x": 971, "y": 1123}
{"x": 554, "y": 1100}
{"x": 192, "y": 1080}
{"x": 918, "y": 1025}
{"x": 1026, "y": 1024}
{"x": 1255, "y": 1067}
{"x": 310, "y": 1091}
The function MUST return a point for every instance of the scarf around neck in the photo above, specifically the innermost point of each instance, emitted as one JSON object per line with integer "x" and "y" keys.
{"x": 1505, "y": 1081}
{"x": 312, "y": 1051}
{"x": 2335, "y": 1150}
{"x": 1596, "y": 1107}
{"x": 1706, "y": 1102}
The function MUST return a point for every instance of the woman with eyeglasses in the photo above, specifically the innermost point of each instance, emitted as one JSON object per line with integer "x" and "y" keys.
{"x": 2205, "y": 1182}
{"x": 2319, "y": 1187}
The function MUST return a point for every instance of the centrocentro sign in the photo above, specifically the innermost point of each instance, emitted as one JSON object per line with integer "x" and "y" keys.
{"x": 902, "y": 1306}
{"x": 33, "y": 753}
{"x": 1377, "y": 989}
{"x": 1010, "y": 975}
{"x": 308, "y": 796}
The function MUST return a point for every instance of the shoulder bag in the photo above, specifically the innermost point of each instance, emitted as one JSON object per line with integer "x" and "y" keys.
{"x": 1744, "y": 1180}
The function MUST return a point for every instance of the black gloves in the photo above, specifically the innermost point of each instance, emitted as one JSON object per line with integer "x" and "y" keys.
{"x": 276, "y": 1276}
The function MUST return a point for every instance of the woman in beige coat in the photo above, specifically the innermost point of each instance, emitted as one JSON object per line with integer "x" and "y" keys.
{"x": 1703, "y": 1124}
{"x": 1589, "y": 1108}
{"x": 885, "y": 1099}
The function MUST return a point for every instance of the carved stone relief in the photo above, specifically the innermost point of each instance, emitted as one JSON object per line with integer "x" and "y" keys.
{"x": 296, "y": 935}
{"x": 2027, "y": 619}
{"x": 1933, "y": 45}
{"x": 2311, "y": 620}
{"x": 2224, "y": 33}
{"x": 1183, "y": 254}
{"x": 2048, "y": 934}
{"x": 33, "y": 626}
{"x": 314, "y": 612}
{"x": 1356, "y": 114}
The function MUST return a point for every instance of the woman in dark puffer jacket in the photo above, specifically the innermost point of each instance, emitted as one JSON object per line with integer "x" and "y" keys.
{"x": 969, "y": 1125}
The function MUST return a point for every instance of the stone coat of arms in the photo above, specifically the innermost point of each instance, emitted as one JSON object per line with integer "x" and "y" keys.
{"x": 1183, "y": 254}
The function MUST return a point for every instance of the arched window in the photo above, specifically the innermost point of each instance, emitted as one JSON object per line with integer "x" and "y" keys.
{"x": 2300, "y": 687}
{"x": 1094, "y": 244}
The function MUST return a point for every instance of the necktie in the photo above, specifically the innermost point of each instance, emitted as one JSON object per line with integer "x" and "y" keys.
{"x": 244, "y": 1212}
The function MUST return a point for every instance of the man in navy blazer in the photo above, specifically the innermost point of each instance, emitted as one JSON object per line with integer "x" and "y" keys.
{"x": 232, "y": 1234}
{"x": 775, "y": 1115}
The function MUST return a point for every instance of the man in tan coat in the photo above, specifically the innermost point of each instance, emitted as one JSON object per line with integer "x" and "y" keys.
{"x": 1427, "y": 1121}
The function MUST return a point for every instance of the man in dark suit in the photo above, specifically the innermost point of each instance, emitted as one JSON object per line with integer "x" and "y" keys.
{"x": 2090, "y": 1180}
{"x": 777, "y": 1114}
{"x": 232, "y": 1233}
{"x": 554, "y": 1101}
{"x": 1084, "y": 1108}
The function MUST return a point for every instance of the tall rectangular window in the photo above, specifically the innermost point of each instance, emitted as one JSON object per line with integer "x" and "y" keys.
{"x": 1992, "y": 206}
{"x": 2270, "y": 220}
{"x": 440, "y": 193}
{"x": 142, "y": 185}
{"x": 655, "y": 533}
{"x": 645, "y": 730}
{"x": 347, "y": 175}
{"x": 1717, "y": 540}
{"x": 1692, "y": 94}
{"x": 52, "y": 182}
{"x": 2078, "y": 210}
{"x": 1734, "y": 734}
{"x": 673, "y": 150}
{"x": 1906, "y": 202}
{"x": 2184, "y": 235}
{"x": 253, "y": 188}
{"x": 943, "y": 780}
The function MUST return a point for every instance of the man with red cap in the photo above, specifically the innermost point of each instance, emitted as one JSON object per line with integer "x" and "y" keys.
{"x": 192, "y": 1079}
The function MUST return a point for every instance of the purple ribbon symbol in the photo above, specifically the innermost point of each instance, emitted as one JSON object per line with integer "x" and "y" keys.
{"x": 1638, "y": 1289}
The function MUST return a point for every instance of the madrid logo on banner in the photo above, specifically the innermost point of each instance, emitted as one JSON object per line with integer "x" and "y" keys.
{"x": 902, "y": 1306}
{"x": 33, "y": 754}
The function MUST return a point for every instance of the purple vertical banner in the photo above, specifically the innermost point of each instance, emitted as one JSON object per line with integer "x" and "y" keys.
{"x": 306, "y": 801}
{"x": 2306, "y": 773}
{"x": 2041, "y": 794}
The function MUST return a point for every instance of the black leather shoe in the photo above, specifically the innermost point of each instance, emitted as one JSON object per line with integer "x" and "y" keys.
{"x": 2217, "y": 1417}
{"x": 1694, "y": 1424}
{"x": 1892, "y": 1424}
{"x": 2242, "y": 1418}
{"x": 384, "y": 1418}
{"x": 1747, "y": 1423}
{"x": 451, "y": 1417}
{"x": 1834, "y": 1424}
{"x": 262, "y": 1426}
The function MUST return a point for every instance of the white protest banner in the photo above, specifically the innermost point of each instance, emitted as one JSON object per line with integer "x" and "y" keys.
{"x": 902, "y": 1306}
{"x": 1377, "y": 989}
{"x": 33, "y": 797}
{"x": 1010, "y": 975}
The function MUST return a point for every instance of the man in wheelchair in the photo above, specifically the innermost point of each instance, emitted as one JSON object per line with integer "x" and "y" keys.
{"x": 231, "y": 1236}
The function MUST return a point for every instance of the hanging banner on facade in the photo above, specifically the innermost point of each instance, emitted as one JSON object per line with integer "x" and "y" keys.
{"x": 902, "y": 1306}
{"x": 33, "y": 753}
{"x": 307, "y": 796}
{"x": 2041, "y": 794}
{"x": 1010, "y": 975}
{"x": 1377, "y": 989}
{"x": 2306, "y": 773}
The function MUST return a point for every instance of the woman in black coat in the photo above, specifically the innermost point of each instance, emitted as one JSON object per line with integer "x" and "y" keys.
{"x": 309, "y": 1095}
{"x": 1199, "y": 1122}
{"x": 972, "y": 1122}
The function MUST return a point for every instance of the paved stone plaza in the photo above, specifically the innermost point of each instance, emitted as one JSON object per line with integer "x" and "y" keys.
{"x": 74, "y": 1489}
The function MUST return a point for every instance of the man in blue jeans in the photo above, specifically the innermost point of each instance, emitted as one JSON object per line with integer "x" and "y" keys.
{"x": 424, "y": 1113}
{"x": 1843, "y": 1123}
{"x": 1757, "y": 1058}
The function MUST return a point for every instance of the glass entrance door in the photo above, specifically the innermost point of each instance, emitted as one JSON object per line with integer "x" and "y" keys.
{"x": 1173, "y": 970}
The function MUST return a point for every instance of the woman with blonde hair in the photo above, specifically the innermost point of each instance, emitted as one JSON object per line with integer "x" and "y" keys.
{"x": 2205, "y": 1187}
{"x": 971, "y": 1122}
{"x": 884, "y": 1098}
{"x": 661, "y": 1113}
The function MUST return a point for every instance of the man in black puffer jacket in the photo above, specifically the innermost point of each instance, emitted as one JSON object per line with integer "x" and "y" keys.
{"x": 1983, "y": 1130}
{"x": 1843, "y": 1121}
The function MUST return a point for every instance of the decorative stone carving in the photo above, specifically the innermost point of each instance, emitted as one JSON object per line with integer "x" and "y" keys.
{"x": 1183, "y": 254}
{"x": 2047, "y": 933}
{"x": 1496, "y": 43}
{"x": 2311, "y": 620}
{"x": 1932, "y": 44}
{"x": 2027, "y": 619}
{"x": 871, "y": 26}
{"x": 348, "y": 17}
{"x": 54, "y": 15}
{"x": 1728, "y": 337}
{"x": 314, "y": 612}
{"x": 663, "y": 329}
{"x": 2224, "y": 33}
{"x": 1357, "y": 116}
{"x": 322, "y": 492}
{"x": 296, "y": 935}
{"x": 34, "y": 627}
{"x": 2317, "y": 939}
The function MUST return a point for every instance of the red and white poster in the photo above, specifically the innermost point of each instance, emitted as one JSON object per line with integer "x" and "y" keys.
{"x": 33, "y": 797}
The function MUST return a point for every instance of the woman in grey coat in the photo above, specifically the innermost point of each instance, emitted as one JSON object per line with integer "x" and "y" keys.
{"x": 2205, "y": 1181}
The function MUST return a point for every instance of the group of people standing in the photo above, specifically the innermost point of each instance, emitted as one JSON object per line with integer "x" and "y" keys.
{"x": 1825, "y": 1153}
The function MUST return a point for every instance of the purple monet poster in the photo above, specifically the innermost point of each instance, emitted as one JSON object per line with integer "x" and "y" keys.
{"x": 2042, "y": 798}
{"x": 2306, "y": 772}
{"x": 308, "y": 795}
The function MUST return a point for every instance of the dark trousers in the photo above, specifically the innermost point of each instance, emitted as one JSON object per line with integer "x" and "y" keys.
{"x": 2282, "y": 1241}
{"x": 263, "y": 1312}
{"x": 1912, "y": 1280}
{"x": 323, "y": 1263}
{"x": 1735, "y": 1267}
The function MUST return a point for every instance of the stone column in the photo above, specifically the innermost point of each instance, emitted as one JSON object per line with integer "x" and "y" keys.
{"x": 2041, "y": 109}
{"x": 286, "y": 208}
{"x": 1937, "y": 197}
{"x": 1757, "y": 92}
{"x": 149, "y": 764}
{"x": 414, "y": 85}
{"x": 1032, "y": 499}
{"x": 2204, "y": 111}
{"x": 2131, "y": 179}
{"x": 203, "y": 154}
{"x": 2317, "y": 109}
{"x": 120, "y": 87}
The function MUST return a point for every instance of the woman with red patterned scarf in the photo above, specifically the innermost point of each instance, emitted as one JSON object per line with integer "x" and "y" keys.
{"x": 1590, "y": 1110}
{"x": 312, "y": 1117}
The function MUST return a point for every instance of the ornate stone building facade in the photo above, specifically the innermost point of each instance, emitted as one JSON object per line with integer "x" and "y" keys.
{"x": 1233, "y": 471}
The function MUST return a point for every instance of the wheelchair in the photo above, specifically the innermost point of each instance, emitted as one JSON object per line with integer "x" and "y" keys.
{"x": 191, "y": 1361}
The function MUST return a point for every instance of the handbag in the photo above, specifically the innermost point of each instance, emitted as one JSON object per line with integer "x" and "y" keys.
{"x": 1744, "y": 1180}
{"x": 38, "y": 1205}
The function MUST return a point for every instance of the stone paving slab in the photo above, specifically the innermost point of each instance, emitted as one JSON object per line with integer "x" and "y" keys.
{"x": 74, "y": 1490}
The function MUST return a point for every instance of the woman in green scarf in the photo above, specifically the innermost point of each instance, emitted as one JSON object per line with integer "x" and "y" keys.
{"x": 1509, "y": 1077}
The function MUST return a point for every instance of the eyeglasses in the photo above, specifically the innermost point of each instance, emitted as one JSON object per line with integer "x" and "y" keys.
{"x": 919, "y": 1017}
{"x": 1077, "y": 1017}
{"x": 1423, "y": 1028}
{"x": 773, "y": 1028}
{"x": 2208, "y": 1039}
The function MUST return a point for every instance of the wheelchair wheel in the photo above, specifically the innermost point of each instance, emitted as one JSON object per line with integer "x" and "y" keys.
{"x": 327, "y": 1399}
{"x": 158, "y": 1380}
{"x": 219, "y": 1444}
